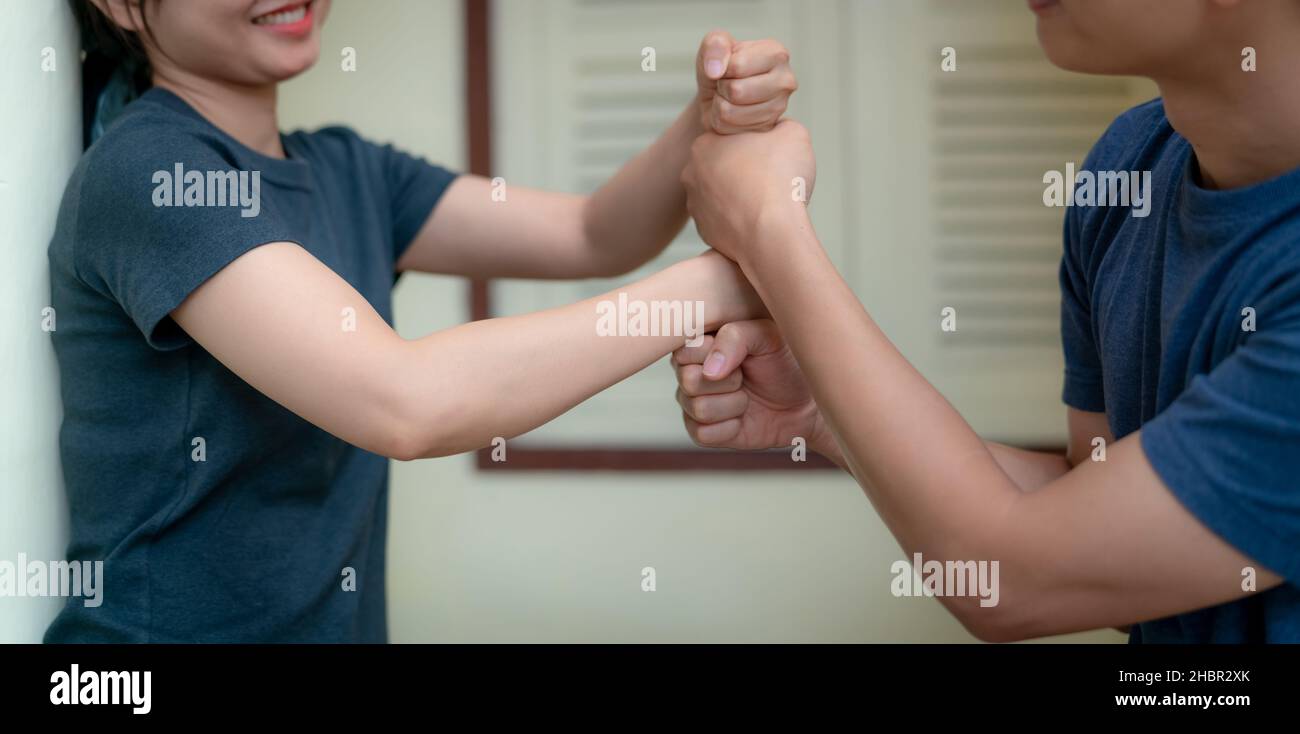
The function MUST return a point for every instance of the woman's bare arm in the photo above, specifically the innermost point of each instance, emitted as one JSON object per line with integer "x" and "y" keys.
{"x": 304, "y": 337}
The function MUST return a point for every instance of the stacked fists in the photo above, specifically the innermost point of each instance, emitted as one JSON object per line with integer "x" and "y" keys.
{"x": 750, "y": 176}
{"x": 751, "y": 164}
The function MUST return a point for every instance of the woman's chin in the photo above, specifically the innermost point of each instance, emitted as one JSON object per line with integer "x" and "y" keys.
{"x": 288, "y": 67}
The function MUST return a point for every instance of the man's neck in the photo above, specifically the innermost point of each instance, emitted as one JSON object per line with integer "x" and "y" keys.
{"x": 247, "y": 114}
{"x": 1245, "y": 126}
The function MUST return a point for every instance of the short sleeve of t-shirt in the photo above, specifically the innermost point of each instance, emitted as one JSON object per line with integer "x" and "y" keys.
{"x": 167, "y": 201}
{"x": 414, "y": 188}
{"x": 1084, "y": 388}
{"x": 1229, "y": 446}
{"x": 149, "y": 239}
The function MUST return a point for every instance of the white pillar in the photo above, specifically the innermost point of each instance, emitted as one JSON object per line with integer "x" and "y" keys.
{"x": 40, "y": 141}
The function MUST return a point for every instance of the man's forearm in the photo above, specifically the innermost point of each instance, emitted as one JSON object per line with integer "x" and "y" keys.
{"x": 1030, "y": 470}
{"x": 639, "y": 211}
{"x": 931, "y": 477}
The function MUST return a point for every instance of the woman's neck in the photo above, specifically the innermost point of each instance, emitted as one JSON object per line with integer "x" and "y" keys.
{"x": 247, "y": 114}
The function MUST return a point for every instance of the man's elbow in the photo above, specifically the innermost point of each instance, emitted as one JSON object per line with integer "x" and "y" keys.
{"x": 991, "y": 628}
{"x": 990, "y": 619}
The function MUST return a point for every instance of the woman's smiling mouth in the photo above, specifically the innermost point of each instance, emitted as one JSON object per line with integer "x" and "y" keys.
{"x": 292, "y": 19}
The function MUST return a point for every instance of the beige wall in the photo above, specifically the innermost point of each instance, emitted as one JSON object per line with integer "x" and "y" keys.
{"x": 558, "y": 557}
{"x": 38, "y": 56}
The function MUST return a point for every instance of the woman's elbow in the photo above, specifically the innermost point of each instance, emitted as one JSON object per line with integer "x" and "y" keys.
{"x": 419, "y": 429}
{"x": 413, "y": 435}
{"x": 415, "y": 447}
{"x": 403, "y": 445}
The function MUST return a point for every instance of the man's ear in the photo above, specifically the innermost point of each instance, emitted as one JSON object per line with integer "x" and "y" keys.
{"x": 125, "y": 14}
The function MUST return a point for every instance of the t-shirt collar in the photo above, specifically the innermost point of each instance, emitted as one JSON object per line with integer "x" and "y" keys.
{"x": 293, "y": 171}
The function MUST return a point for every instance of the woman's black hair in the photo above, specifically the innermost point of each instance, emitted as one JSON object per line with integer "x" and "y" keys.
{"x": 109, "y": 50}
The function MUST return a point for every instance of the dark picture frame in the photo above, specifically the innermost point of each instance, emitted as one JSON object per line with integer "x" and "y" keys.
{"x": 478, "y": 106}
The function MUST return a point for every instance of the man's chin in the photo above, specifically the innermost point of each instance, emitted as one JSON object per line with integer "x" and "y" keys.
{"x": 1069, "y": 54}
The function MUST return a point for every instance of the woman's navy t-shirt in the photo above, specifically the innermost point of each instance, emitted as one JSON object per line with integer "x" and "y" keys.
{"x": 219, "y": 515}
{"x": 1185, "y": 324}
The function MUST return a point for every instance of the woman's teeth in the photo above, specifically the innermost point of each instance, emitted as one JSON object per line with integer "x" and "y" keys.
{"x": 288, "y": 16}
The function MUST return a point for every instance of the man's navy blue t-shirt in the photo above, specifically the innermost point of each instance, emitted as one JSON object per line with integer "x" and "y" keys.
{"x": 219, "y": 515}
{"x": 1185, "y": 324}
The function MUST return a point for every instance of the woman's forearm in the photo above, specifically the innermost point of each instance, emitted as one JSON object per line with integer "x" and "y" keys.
{"x": 639, "y": 211}
{"x": 503, "y": 377}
